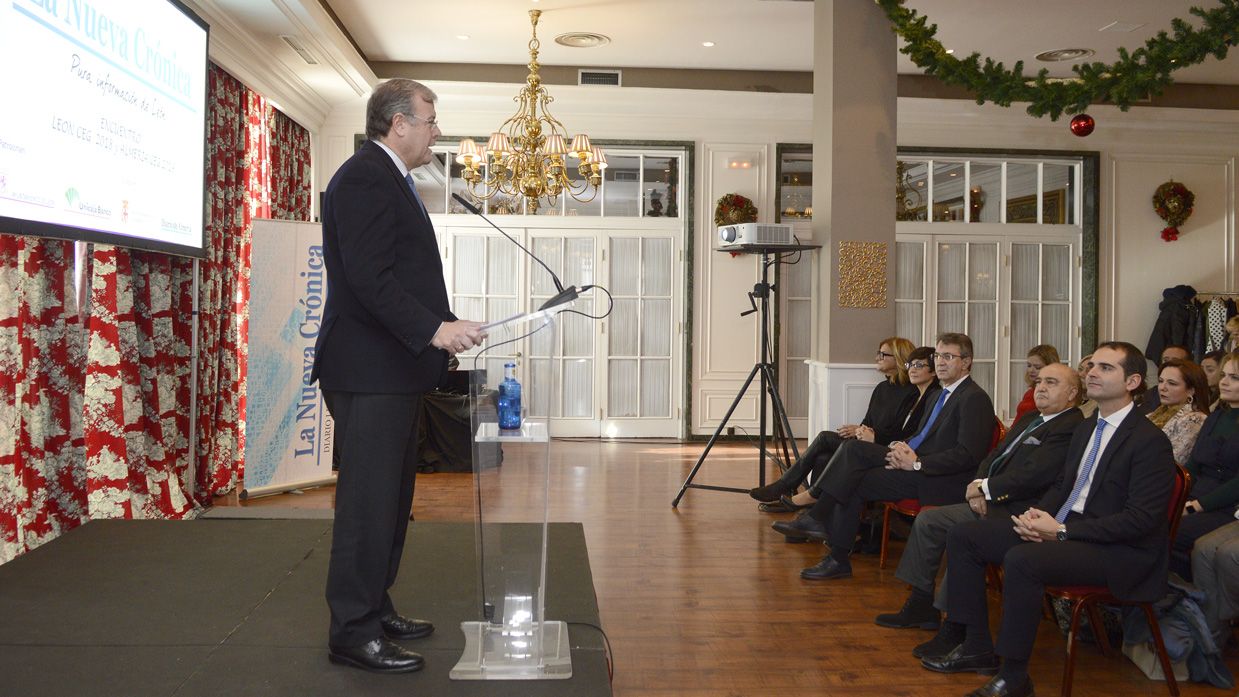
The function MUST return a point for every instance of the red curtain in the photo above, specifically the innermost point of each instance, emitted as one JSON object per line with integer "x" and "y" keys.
{"x": 42, "y": 482}
{"x": 290, "y": 169}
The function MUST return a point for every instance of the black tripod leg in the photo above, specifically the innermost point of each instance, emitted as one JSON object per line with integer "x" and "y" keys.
{"x": 718, "y": 431}
{"x": 781, "y": 412}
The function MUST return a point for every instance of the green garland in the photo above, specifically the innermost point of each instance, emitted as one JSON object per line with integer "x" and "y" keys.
{"x": 1137, "y": 75}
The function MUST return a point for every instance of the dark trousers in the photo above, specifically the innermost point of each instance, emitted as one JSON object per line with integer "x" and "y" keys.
{"x": 857, "y": 474}
{"x": 1191, "y": 528}
{"x": 1028, "y": 567}
{"x": 377, "y": 437}
{"x": 813, "y": 460}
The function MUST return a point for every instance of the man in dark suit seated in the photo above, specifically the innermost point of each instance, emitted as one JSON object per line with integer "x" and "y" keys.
{"x": 933, "y": 466}
{"x": 1010, "y": 479}
{"x": 1102, "y": 523}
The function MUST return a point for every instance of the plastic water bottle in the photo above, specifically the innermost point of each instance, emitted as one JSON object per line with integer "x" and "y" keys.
{"x": 509, "y": 399}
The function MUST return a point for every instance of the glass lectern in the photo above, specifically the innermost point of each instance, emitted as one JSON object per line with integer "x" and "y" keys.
{"x": 513, "y": 640}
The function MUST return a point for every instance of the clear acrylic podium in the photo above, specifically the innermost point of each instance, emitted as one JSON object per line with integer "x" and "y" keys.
{"x": 512, "y": 640}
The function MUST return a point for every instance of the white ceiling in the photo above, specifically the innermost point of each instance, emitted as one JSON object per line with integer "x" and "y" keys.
{"x": 748, "y": 34}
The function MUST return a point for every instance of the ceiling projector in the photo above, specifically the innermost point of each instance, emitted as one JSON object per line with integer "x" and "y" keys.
{"x": 755, "y": 233}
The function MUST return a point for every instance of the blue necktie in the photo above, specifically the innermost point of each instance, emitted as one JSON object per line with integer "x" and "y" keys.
{"x": 1084, "y": 472}
{"x": 408, "y": 178}
{"x": 933, "y": 415}
{"x": 993, "y": 466}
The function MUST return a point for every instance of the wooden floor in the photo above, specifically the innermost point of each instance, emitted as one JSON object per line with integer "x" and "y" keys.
{"x": 705, "y": 600}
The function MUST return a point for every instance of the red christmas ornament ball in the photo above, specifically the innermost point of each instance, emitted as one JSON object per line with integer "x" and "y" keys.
{"x": 1082, "y": 124}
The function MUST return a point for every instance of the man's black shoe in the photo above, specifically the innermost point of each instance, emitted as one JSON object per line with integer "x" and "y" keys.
{"x": 377, "y": 656}
{"x": 956, "y": 662}
{"x": 998, "y": 687}
{"x": 399, "y": 627}
{"x": 828, "y": 568}
{"x": 801, "y": 527}
{"x": 949, "y": 636}
{"x": 918, "y": 611}
{"x": 769, "y": 493}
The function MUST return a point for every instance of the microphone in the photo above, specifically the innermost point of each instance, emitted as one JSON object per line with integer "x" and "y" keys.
{"x": 565, "y": 295}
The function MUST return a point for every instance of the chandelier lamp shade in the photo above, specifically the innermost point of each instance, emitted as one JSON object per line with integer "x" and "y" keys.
{"x": 529, "y": 156}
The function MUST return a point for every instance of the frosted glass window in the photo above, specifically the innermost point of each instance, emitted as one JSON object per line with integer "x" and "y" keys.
{"x": 799, "y": 322}
{"x": 535, "y": 392}
{"x": 625, "y": 325}
{"x": 469, "y": 308}
{"x": 540, "y": 342}
{"x": 656, "y": 266}
{"x": 983, "y": 328}
{"x": 578, "y": 391}
{"x": 548, "y": 249}
{"x": 983, "y": 375}
{"x": 655, "y": 388}
{"x": 579, "y": 268}
{"x": 622, "y": 402}
{"x": 1024, "y": 330}
{"x": 983, "y": 271}
{"x": 910, "y": 277}
{"x": 909, "y": 321}
{"x": 1017, "y": 386}
{"x": 985, "y": 192}
{"x": 503, "y": 267}
{"x": 950, "y": 317}
{"x": 625, "y": 266}
{"x": 952, "y": 270}
{"x": 470, "y": 263}
{"x": 578, "y": 335}
{"x": 1056, "y": 327}
{"x": 656, "y": 327}
{"x": 1056, "y": 272}
{"x": 798, "y": 278}
{"x": 1025, "y": 271}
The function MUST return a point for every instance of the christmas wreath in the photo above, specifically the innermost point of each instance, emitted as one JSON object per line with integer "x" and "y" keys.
{"x": 733, "y": 209}
{"x": 1173, "y": 203}
{"x": 1136, "y": 75}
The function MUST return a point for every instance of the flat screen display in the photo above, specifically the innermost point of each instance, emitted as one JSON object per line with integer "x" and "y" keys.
{"x": 103, "y": 128}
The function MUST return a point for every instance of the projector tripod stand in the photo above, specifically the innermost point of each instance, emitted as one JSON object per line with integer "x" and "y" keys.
{"x": 763, "y": 369}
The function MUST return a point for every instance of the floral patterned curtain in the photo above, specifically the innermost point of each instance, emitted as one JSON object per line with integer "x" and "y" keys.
{"x": 290, "y": 168}
{"x": 42, "y": 482}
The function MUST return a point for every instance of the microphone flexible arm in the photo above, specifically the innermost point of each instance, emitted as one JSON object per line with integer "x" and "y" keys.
{"x": 474, "y": 210}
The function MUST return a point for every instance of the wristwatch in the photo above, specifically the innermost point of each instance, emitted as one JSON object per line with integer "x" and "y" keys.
{"x": 916, "y": 466}
{"x": 1062, "y": 532}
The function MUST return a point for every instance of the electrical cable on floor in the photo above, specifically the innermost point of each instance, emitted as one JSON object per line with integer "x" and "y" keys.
{"x": 609, "y": 655}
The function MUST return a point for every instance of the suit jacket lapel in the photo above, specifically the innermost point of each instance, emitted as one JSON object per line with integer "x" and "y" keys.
{"x": 398, "y": 179}
{"x": 952, "y": 402}
{"x": 1116, "y": 441}
{"x": 1017, "y": 430}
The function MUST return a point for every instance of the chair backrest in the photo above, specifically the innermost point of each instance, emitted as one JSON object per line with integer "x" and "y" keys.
{"x": 1178, "y": 497}
{"x": 1000, "y": 432}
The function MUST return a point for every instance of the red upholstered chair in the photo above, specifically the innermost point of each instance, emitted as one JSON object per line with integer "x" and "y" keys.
{"x": 1087, "y": 598}
{"x": 911, "y": 507}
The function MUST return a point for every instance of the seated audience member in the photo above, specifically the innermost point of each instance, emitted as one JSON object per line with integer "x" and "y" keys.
{"x": 1088, "y": 406}
{"x": 1038, "y": 357}
{"x": 889, "y": 404}
{"x": 1215, "y": 571}
{"x": 1232, "y": 329}
{"x": 1212, "y": 365}
{"x": 932, "y": 466}
{"x": 1010, "y": 479}
{"x": 1181, "y": 386}
{"x": 921, "y": 375}
{"x": 1102, "y": 523}
{"x": 1151, "y": 400}
{"x": 1214, "y": 465}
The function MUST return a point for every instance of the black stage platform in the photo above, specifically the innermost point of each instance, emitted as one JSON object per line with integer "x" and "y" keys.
{"x": 216, "y": 607}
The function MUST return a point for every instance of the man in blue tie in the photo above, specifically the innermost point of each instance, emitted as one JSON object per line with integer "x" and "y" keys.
{"x": 1103, "y": 523}
{"x": 933, "y": 466}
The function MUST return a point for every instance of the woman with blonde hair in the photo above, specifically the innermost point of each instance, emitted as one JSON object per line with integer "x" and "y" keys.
{"x": 889, "y": 405}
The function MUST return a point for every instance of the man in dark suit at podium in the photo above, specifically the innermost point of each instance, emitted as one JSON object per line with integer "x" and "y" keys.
{"x": 386, "y": 337}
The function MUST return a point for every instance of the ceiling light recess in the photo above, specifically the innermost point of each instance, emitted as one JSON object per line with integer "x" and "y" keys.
{"x": 582, "y": 39}
{"x": 1059, "y": 55}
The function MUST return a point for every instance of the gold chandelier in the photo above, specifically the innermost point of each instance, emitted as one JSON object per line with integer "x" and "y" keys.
{"x": 528, "y": 155}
